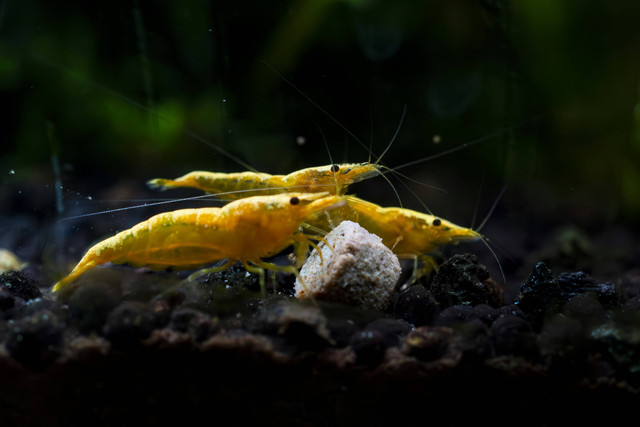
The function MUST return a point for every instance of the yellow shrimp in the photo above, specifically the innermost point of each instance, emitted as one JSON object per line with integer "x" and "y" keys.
{"x": 231, "y": 186}
{"x": 406, "y": 232}
{"x": 245, "y": 230}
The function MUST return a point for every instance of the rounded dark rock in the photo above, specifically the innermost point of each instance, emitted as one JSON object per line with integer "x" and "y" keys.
{"x": 391, "y": 330}
{"x": 452, "y": 315}
{"x": 463, "y": 280}
{"x": 560, "y": 336}
{"x": 585, "y": 308}
{"x": 512, "y": 335}
{"x": 8, "y": 301}
{"x": 473, "y": 338}
{"x": 89, "y": 306}
{"x": 417, "y": 306}
{"x": 484, "y": 313}
{"x": 341, "y": 330}
{"x": 369, "y": 347}
{"x": 196, "y": 323}
{"x": 35, "y": 341}
{"x": 297, "y": 326}
{"x": 20, "y": 285}
{"x": 511, "y": 309}
{"x": 128, "y": 323}
{"x": 428, "y": 343}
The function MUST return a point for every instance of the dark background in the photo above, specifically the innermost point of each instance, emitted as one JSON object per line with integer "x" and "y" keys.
{"x": 98, "y": 98}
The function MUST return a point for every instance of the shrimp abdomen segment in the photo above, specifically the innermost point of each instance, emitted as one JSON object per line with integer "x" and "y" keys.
{"x": 232, "y": 185}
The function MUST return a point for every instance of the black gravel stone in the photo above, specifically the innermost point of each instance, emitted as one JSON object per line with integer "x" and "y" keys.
{"x": 452, "y": 315}
{"x": 586, "y": 308}
{"x": 463, "y": 280}
{"x": 563, "y": 341}
{"x": 128, "y": 323}
{"x": 391, "y": 330}
{"x": 417, "y": 306}
{"x": 514, "y": 336}
{"x": 35, "y": 341}
{"x": 540, "y": 295}
{"x": 575, "y": 283}
{"x": 428, "y": 343}
{"x": 484, "y": 313}
{"x": 193, "y": 322}
{"x": 369, "y": 347}
{"x": 90, "y": 305}
{"x": 300, "y": 326}
{"x": 19, "y": 285}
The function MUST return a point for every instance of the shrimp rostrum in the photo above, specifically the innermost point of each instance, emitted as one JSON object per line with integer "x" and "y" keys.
{"x": 246, "y": 230}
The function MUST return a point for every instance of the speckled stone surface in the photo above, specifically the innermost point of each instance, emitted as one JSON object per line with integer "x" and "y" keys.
{"x": 357, "y": 270}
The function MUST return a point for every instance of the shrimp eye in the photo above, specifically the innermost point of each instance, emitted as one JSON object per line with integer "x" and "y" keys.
{"x": 436, "y": 222}
{"x": 294, "y": 201}
{"x": 335, "y": 168}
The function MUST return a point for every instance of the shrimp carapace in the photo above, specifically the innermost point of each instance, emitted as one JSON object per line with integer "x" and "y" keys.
{"x": 232, "y": 186}
{"x": 245, "y": 230}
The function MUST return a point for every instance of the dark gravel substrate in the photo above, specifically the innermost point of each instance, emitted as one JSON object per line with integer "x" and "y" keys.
{"x": 160, "y": 350}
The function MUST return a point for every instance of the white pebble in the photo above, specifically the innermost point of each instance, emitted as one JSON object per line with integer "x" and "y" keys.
{"x": 360, "y": 270}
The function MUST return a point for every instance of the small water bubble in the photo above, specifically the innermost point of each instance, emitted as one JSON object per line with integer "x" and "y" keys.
{"x": 301, "y": 140}
{"x": 437, "y": 139}
{"x": 12, "y": 172}
{"x": 89, "y": 198}
{"x": 224, "y": 100}
{"x": 19, "y": 191}
{"x": 229, "y": 131}
{"x": 210, "y": 30}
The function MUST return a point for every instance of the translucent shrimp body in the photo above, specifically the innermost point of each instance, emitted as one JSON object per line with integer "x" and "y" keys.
{"x": 232, "y": 186}
{"x": 407, "y": 233}
{"x": 245, "y": 230}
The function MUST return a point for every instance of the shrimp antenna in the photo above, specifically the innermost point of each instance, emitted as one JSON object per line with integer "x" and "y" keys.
{"x": 493, "y": 207}
{"x": 143, "y": 205}
{"x": 475, "y": 210}
{"x": 486, "y": 243}
{"x": 315, "y": 104}
{"x": 335, "y": 177}
{"x": 395, "y": 135}
{"x": 212, "y": 197}
{"x": 471, "y": 143}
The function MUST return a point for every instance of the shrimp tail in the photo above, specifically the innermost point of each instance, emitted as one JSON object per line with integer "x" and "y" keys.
{"x": 160, "y": 184}
{"x": 84, "y": 265}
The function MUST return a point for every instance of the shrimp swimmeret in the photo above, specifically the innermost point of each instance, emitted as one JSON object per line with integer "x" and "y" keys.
{"x": 245, "y": 230}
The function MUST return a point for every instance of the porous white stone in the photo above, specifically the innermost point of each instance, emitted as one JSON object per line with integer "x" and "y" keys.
{"x": 359, "y": 271}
